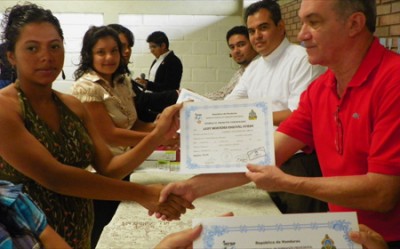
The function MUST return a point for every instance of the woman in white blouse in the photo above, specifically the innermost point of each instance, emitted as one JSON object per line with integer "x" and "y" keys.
{"x": 104, "y": 87}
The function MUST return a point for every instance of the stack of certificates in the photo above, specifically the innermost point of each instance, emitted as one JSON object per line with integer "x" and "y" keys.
{"x": 161, "y": 161}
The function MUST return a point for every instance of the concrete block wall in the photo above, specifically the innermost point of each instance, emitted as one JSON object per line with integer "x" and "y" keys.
{"x": 74, "y": 26}
{"x": 388, "y": 22}
{"x": 196, "y": 30}
{"x": 199, "y": 41}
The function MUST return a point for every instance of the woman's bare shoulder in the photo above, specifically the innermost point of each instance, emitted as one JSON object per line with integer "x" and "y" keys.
{"x": 73, "y": 103}
{"x": 9, "y": 103}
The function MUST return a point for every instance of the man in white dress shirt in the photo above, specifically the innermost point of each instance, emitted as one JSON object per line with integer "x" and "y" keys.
{"x": 281, "y": 74}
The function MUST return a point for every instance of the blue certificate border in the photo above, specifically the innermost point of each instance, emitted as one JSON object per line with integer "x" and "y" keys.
{"x": 210, "y": 232}
{"x": 260, "y": 105}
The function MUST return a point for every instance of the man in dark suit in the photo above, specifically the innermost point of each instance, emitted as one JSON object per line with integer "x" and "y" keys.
{"x": 166, "y": 70}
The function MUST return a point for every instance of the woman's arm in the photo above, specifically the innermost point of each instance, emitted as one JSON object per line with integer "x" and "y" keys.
{"x": 112, "y": 134}
{"x": 202, "y": 185}
{"x": 28, "y": 156}
{"x": 122, "y": 165}
{"x": 116, "y": 136}
{"x": 143, "y": 126}
{"x": 51, "y": 239}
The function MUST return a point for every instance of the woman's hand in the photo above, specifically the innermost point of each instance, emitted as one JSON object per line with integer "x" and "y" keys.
{"x": 172, "y": 143}
{"x": 183, "y": 239}
{"x": 168, "y": 123}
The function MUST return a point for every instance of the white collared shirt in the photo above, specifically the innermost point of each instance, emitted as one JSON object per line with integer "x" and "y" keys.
{"x": 280, "y": 76}
{"x": 156, "y": 65}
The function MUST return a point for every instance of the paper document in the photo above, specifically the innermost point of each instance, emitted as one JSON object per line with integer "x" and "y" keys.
{"x": 224, "y": 136}
{"x": 186, "y": 95}
{"x": 295, "y": 231}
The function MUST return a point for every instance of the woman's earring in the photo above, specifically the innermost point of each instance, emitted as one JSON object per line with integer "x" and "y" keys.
{"x": 62, "y": 74}
{"x": 13, "y": 74}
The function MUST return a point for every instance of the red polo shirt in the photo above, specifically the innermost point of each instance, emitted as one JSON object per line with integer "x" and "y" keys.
{"x": 364, "y": 124}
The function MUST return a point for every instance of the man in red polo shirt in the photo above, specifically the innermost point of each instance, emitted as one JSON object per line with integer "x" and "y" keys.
{"x": 349, "y": 115}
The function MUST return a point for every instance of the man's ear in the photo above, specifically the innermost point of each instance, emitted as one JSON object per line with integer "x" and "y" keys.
{"x": 281, "y": 26}
{"x": 356, "y": 23}
{"x": 163, "y": 46}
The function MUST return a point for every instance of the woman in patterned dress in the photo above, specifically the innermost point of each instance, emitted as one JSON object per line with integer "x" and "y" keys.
{"x": 48, "y": 139}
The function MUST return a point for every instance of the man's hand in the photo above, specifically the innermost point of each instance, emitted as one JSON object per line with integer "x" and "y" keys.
{"x": 182, "y": 189}
{"x": 142, "y": 82}
{"x": 171, "y": 209}
{"x": 269, "y": 178}
{"x": 368, "y": 238}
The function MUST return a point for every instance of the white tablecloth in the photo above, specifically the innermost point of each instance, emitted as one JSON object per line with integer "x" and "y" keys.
{"x": 131, "y": 227}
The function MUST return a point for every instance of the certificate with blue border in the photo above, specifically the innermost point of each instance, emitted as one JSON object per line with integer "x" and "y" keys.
{"x": 225, "y": 136}
{"x": 294, "y": 231}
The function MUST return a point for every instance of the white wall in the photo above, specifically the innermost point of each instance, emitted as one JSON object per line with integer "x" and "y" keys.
{"x": 199, "y": 41}
{"x": 74, "y": 26}
{"x": 196, "y": 30}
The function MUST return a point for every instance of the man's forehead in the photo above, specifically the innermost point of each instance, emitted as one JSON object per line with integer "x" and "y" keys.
{"x": 314, "y": 7}
{"x": 237, "y": 38}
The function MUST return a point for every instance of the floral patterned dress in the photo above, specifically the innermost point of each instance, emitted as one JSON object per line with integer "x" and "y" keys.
{"x": 71, "y": 217}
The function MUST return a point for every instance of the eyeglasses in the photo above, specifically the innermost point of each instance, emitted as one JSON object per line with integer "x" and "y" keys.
{"x": 339, "y": 133}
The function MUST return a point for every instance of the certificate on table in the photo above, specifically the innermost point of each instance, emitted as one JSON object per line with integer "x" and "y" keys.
{"x": 295, "y": 231}
{"x": 224, "y": 136}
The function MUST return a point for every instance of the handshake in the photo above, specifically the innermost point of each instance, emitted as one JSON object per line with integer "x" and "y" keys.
{"x": 168, "y": 202}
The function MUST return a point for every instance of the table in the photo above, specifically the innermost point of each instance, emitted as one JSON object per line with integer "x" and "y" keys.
{"x": 131, "y": 227}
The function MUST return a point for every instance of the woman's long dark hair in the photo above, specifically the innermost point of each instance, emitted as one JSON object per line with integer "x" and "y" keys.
{"x": 91, "y": 37}
{"x": 16, "y": 17}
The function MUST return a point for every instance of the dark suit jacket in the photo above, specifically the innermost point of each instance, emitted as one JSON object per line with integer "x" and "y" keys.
{"x": 149, "y": 105}
{"x": 168, "y": 75}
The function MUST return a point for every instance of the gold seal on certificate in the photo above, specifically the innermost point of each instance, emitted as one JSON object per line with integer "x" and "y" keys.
{"x": 225, "y": 136}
